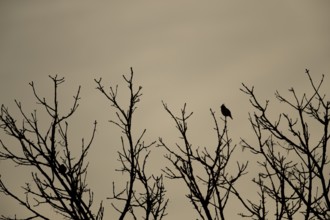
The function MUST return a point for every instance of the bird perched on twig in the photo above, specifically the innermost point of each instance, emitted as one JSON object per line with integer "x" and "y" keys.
{"x": 225, "y": 111}
{"x": 62, "y": 169}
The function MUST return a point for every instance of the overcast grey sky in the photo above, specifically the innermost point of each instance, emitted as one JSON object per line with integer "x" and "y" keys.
{"x": 198, "y": 52}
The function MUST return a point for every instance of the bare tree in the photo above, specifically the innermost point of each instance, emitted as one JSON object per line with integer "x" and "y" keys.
{"x": 58, "y": 177}
{"x": 133, "y": 158}
{"x": 293, "y": 182}
{"x": 294, "y": 158}
{"x": 209, "y": 189}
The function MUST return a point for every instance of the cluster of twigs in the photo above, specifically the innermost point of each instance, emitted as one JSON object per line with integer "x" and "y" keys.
{"x": 58, "y": 179}
{"x": 133, "y": 158}
{"x": 210, "y": 189}
{"x": 295, "y": 177}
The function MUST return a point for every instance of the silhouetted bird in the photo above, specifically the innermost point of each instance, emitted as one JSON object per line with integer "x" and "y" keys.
{"x": 225, "y": 111}
{"x": 62, "y": 169}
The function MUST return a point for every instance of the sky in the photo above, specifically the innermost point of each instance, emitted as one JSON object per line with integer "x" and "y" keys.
{"x": 194, "y": 52}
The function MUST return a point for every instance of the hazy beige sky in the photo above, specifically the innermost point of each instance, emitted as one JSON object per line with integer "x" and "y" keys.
{"x": 198, "y": 52}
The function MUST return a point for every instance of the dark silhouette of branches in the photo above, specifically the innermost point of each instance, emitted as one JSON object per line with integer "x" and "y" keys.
{"x": 209, "y": 189}
{"x": 133, "y": 157}
{"x": 58, "y": 177}
{"x": 295, "y": 177}
{"x": 292, "y": 153}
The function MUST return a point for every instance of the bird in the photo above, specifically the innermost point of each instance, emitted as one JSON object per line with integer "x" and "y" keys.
{"x": 62, "y": 169}
{"x": 225, "y": 111}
